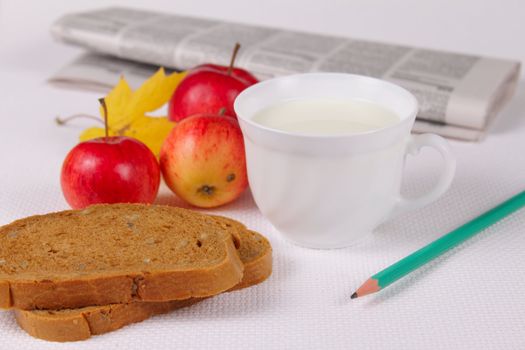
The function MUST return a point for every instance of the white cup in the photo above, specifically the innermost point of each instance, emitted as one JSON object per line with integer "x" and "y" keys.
{"x": 332, "y": 191}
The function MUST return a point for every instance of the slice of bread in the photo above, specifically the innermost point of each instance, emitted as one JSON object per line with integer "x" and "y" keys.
{"x": 117, "y": 253}
{"x": 79, "y": 324}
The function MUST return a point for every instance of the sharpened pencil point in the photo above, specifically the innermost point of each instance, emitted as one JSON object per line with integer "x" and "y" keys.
{"x": 370, "y": 286}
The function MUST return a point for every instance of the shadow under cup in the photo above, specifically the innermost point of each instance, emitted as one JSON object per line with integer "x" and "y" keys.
{"x": 325, "y": 191}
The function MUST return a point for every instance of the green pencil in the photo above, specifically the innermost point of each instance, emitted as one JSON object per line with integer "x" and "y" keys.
{"x": 431, "y": 251}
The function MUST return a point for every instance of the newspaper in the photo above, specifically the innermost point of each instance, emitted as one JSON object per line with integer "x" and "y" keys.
{"x": 458, "y": 94}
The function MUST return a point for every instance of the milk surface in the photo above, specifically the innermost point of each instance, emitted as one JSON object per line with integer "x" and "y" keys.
{"x": 324, "y": 116}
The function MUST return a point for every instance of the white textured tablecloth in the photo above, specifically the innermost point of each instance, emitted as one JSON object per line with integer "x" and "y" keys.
{"x": 471, "y": 298}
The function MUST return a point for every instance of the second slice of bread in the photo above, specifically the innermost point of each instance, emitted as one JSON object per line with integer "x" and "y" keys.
{"x": 79, "y": 324}
{"x": 118, "y": 253}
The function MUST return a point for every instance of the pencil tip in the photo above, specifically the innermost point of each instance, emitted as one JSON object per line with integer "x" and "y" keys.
{"x": 354, "y": 295}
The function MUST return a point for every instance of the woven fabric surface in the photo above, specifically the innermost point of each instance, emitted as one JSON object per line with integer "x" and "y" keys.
{"x": 469, "y": 298}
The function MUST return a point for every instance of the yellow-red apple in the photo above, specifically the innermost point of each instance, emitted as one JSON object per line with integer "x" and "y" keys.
{"x": 203, "y": 162}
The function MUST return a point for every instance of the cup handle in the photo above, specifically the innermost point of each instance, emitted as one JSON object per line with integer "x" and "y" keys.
{"x": 415, "y": 143}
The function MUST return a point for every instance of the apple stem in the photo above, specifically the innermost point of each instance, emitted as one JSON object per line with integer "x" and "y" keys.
{"x": 63, "y": 121}
{"x": 222, "y": 111}
{"x": 105, "y": 108}
{"x": 232, "y": 60}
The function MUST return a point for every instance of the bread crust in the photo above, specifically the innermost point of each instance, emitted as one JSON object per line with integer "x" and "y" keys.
{"x": 92, "y": 320}
{"x": 81, "y": 324}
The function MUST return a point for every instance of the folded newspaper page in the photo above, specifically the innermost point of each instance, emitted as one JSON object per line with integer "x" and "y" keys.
{"x": 459, "y": 94}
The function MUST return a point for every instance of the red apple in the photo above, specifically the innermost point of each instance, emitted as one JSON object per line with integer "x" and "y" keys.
{"x": 239, "y": 73}
{"x": 207, "y": 89}
{"x": 110, "y": 170}
{"x": 202, "y": 160}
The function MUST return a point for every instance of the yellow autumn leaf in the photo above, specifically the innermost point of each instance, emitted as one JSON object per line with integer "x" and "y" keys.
{"x": 117, "y": 101}
{"x": 154, "y": 93}
{"x": 152, "y": 131}
{"x": 127, "y": 110}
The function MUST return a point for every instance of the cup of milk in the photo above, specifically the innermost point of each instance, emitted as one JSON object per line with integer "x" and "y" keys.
{"x": 325, "y": 154}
